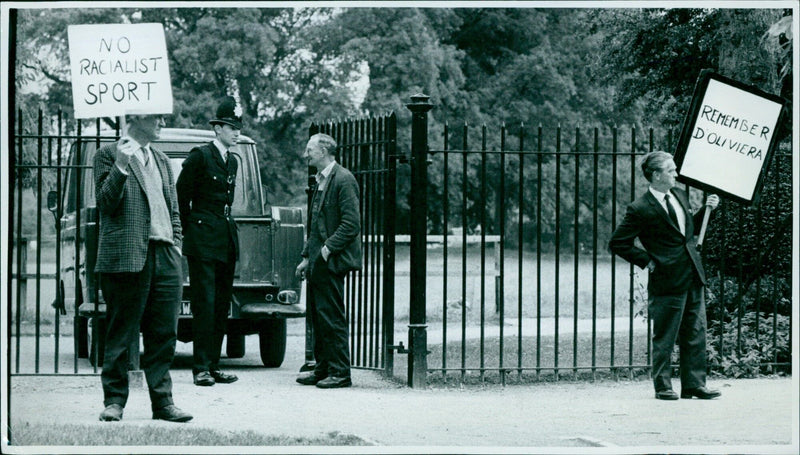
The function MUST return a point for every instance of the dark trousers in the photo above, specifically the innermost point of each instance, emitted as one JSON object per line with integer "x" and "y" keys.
{"x": 329, "y": 321}
{"x": 211, "y": 285}
{"x": 146, "y": 301}
{"x": 680, "y": 318}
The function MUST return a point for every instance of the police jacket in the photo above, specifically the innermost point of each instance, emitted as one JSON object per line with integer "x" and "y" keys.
{"x": 205, "y": 194}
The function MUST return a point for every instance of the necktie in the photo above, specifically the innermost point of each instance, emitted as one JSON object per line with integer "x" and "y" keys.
{"x": 227, "y": 157}
{"x": 145, "y": 156}
{"x": 671, "y": 212}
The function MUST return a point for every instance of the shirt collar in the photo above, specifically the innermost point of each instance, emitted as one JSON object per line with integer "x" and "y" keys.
{"x": 658, "y": 194}
{"x": 328, "y": 169}
{"x": 138, "y": 145}
{"x": 221, "y": 148}
{"x": 141, "y": 155}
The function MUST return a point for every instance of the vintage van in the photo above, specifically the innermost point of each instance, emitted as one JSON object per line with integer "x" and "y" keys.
{"x": 265, "y": 290}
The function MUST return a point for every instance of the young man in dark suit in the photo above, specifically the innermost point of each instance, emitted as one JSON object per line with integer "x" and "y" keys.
{"x": 139, "y": 264}
{"x": 662, "y": 220}
{"x": 211, "y": 243}
{"x": 332, "y": 250}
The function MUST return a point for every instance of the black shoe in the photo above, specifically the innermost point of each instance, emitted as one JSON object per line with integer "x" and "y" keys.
{"x": 309, "y": 379}
{"x": 667, "y": 394}
{"x": 171, "y": 413}
{"x": 701, "y": 393}
{"x": 223, "y": 378}
{"x": 334, "y": 382}
{"x": 204, "y": 378}
{"x": 112, "y": 413}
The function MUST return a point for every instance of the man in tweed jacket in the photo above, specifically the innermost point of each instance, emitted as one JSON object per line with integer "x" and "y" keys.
{"x": 333, "y": 249}
{"x": 139, "y": 265}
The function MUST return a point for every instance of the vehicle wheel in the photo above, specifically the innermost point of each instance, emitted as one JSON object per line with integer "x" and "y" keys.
{"x": 81, "y": 327}
{"x": 97, "y": 340}
{"x": 272, "y": 341}
{"x": 235, "y": 346}
{"x": 185, "y": 330}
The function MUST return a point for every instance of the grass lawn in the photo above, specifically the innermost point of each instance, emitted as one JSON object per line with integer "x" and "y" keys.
{"x": 177, "y": 435}
{"x": 593, "y": 291}
{"x": 512, "y": 360}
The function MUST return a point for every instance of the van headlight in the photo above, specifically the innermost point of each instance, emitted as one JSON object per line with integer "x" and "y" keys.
{"x": 287, "y": 297}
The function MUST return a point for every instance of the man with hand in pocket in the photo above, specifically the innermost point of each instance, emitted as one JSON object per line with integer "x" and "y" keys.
{"x": 662, "y": 221}
{"x": 332, "y": 250}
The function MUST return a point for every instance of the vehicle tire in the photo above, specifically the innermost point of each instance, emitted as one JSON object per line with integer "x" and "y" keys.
{"x": 81, "y": 327}
{"x": 97, "y": 340}
{"x": 272, "y": 341}
{"x": 234, "y": 347}
{"x": 185, "y": 330}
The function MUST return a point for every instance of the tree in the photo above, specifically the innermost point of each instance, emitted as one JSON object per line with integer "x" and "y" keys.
{"x": 265, "y": 62}
{"x": 657, "y": 55}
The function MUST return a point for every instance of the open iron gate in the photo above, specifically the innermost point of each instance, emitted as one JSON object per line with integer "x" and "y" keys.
{"x": 368, "y": 148}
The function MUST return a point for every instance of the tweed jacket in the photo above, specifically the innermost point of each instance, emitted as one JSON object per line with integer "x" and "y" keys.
{"x": 124, "y": 213}
{"x": 676, "y": 257}
{"x": 336, "y": 223}
{"x": 205, "y": 186}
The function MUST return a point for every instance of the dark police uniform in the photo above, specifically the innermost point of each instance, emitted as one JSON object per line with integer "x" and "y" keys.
{"x": 211, "y": 244}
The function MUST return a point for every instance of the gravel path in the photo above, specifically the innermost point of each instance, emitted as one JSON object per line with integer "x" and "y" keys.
{"x": 756, "y": 416}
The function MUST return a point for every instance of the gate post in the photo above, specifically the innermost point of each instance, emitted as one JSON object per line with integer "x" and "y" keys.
{"x": 417, "y": 327}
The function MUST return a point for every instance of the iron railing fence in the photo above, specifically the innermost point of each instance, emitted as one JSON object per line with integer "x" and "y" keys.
{"x": 529, "y": 286}
{"x": 546, "y": 212}
{"x": 40, "y": 166}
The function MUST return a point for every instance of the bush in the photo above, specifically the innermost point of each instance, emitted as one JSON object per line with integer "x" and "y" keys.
{"x": 769, "y": 294}
{"x": 756, "y": 352}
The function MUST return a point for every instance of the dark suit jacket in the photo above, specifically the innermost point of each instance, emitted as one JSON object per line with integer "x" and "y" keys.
{"x": 125, "y": 213}
{"x": 677, "y": 260}
{"x": 336, "y": 223}
{"x": 205, "y": 185}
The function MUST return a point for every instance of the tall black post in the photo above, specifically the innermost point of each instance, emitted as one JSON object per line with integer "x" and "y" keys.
{"x": 417, "y": 327}
{"x": 13, "y": 176}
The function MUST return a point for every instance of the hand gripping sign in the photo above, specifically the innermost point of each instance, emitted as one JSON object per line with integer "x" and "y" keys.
{"x": 727, "y": 138}
{"x": 119, "y": 69}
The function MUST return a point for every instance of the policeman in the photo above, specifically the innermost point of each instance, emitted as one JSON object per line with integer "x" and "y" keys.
{"x": 211, "y": 245}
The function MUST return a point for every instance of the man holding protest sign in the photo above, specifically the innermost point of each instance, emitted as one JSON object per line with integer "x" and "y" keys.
{"x": 661, "y": 220}
{"x": 139, "y": 262}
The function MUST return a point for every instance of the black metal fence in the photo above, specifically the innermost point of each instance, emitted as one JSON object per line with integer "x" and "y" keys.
{"x": 39, "y": 165}
{"x": 368, "y": 148}
{"x": 517, "y": 276}
{"x": 518, "y": 232}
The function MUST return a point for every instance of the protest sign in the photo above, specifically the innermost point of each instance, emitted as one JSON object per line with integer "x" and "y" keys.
{"x": 728, "y": 137}
{"x": 119, "y": 69}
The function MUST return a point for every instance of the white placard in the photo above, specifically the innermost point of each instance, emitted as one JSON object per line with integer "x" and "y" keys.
{"x": 119, "y": 69}
{"x": 730, "y": 139}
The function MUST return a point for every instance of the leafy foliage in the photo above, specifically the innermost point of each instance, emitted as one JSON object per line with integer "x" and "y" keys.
{"x": 750, "y": 354}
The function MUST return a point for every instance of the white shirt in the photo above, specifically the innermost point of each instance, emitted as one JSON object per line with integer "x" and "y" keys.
{"x": 142, "y": 155}
{"x": 221, "y": 149}
{"x": 322, "y": 176}
{"x": 675, "y": 206}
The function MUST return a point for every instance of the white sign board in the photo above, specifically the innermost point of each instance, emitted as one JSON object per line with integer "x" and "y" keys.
{"x": 119, "y": 69}
{"x": 732, "y": 130}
